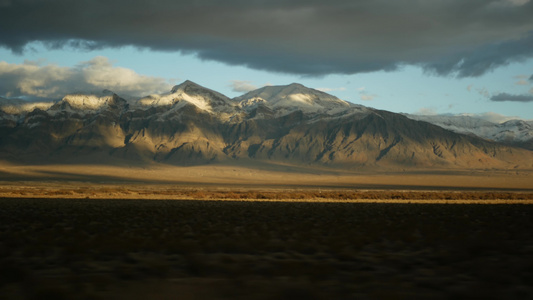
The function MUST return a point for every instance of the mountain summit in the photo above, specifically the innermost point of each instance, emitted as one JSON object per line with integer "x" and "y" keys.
{"x": 289, "y": 124}
{"x": 288, "y": 98}
{"x": 190, "y": 93}
{"x": 83, "y": 103}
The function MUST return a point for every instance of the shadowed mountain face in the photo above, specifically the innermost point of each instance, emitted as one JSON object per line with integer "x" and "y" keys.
{"x": 194, "y": 125}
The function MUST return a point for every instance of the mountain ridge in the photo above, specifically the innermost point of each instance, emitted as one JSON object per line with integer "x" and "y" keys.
{"x": 512, "y": 132}
{"x": 290, "y": 124}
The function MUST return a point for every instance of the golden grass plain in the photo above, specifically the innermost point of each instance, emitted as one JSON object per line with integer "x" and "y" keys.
{"x": 153, "y": 180}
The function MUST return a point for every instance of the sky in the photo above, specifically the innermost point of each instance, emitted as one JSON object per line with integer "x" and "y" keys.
{"x": 422, "y": 57}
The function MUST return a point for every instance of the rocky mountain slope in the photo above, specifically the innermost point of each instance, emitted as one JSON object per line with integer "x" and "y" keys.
{"x": 280, "y": 124}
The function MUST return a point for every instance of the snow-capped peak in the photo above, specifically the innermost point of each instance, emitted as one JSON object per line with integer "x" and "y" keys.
{"x": 189, "y": 92}
{"x": 518, "y": 123}
{"x": 186, "y": 85}
{"x": 287, "y": 98}
{"x": 86, "y": 102}
{"x": 453, "y": 122}
{"x": 512, "y": 130}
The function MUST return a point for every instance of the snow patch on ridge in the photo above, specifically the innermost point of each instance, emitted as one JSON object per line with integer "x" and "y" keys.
{"x": 513, "y": 130}
{"x": 286, "y": 99}
{"x": 189, "y": 93}
{"x": 169, "y": 99}
{"x": 86, "y": 103}
{"x": 91, "y": 102}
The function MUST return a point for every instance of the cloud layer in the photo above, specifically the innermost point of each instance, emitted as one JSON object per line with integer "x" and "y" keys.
{"x": 52, "y": 81}
{"x": 242, "y": 86}
{"x": 463, "y": 38}
{"x": 511, "y": 97}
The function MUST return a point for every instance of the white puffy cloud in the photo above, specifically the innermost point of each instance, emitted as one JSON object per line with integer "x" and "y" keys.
{"x": 327, "y": 90}
{"x": 367, "y": 97}
{"x": 364, "y": 95}
{"x": 426, "y": 111}
{"x": 52, "y": 81}
{"x": 483, "y": 92}
{"x": 522, "y": 80}
{"x": 242, "y": 86}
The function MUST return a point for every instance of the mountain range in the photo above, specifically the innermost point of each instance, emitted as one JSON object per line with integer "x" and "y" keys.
{"x": 289, "y": 124}
{"x": 513, "y": 132}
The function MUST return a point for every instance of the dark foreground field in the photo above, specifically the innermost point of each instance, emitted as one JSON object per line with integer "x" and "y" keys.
{"x": 164, "y": 249}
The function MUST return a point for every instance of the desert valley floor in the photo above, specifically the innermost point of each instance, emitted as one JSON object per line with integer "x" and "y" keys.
{"x": 93, "y": 232}
{"x": 260, "y": 176}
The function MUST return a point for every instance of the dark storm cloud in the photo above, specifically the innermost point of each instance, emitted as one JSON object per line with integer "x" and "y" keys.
{"x": 463, "y": 38}
{"x": 510, "y": 97}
